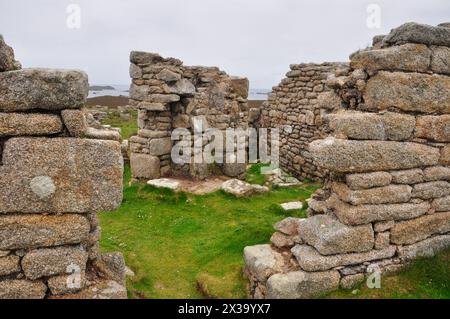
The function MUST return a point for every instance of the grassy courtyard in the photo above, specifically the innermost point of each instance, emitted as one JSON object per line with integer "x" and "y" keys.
{"x": 188, "y": 246}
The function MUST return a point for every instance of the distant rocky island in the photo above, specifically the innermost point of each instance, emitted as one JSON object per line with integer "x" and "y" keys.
{"x": 100, "y": 88}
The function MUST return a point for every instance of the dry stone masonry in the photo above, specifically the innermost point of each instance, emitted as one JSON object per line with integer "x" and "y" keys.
{"x": 170, "y": 95}
{"x": 387, "y": 201}
{"x": 295, "y": 109}
{"x": 54, "y": 177}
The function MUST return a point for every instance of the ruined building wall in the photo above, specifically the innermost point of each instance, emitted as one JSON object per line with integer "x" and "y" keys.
{"x": 388, "y": 199}
{"x": 294, "y": 108}
{"x": 170, "y": 95}
{"x": 54, "y": 176}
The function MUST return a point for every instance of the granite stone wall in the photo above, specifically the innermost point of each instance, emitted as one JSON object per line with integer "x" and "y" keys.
{"x": 55, "y": 174}
{"x": 294, "y": 107}
{"x": 387, "y": 201}
{"x": 169, "y": 96}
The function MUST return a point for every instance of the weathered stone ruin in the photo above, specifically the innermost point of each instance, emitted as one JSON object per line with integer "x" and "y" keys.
{"x": 387, "y": 200}
{"x": 294, "y": 109}
{"x": 55, "y": 174}
{"x": 170, "y": 95}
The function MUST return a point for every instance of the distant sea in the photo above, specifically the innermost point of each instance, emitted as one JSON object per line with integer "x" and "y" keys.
{"x": 123, "y": 90}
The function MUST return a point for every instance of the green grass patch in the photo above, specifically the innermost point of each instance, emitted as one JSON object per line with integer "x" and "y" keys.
{"x": 188, "y": 246}
{"x": 254, "y": 175}
{"x": 128, "y": 126}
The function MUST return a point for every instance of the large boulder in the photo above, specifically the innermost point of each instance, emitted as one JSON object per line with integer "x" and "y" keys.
{"x": 431, "y": 190}
{"x": 9, "y": 265}
{"x": 145, "y": 93}
{"x": 363, "y": 214}
{"x": 310, "y": 259}
{"x": 346, "y": 156}
{"x": 183, "y": 87}
{"x": 370, "y": 126}
{"x": 160, "y": 146}
{"x": 412, "y": 32}
{"x": 32, "y": 231}
{"x": 135, "y": 71}
{"x": 330, "y": 237}
{"x": 53, "y": 261}
{"x": 440, "y": 60}
{"x": 436, "y": 173}
{"x": 408, "y": 57}
{"x": 441, "y": 204}
{"x": 368, "y": 180}
{"x": 261, "y": 261}
{"x": 60, "y": 175}
{"x": 21, "y": 124}
{"x": 410, "y": 92}
{"x": 145, "y": 166}
{"x": 435, "y": 128}
{"x": 101, "y": 289}
{"x": 48, "y": 89}
{"x": 112, "y": 265}
{"x": 101, "y": 134}
{"x": 75, "y": 122}
{"x": 58, "y": 284}
{"x": 391, "y": 194}
{"x": 426, "y": 248}
{"x": 445, "y": 155}
{"x": 300, "y": 284}
{"x": 168, "y": 76}
{"x": 139, "y": 57}
{"x": 7, "y": 62}
{"x": 409, "y": 176}
{"x": 412, "y": 231}
{"x": 289, "y": 226}
{"x": 22, "y": 289}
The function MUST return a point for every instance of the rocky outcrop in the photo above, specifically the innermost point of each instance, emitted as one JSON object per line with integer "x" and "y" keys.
{"x": 53, "y": 180}
{"x": 386, "y": 200}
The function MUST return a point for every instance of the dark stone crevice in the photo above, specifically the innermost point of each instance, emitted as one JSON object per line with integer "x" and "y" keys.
{"x": 2, "y": 146}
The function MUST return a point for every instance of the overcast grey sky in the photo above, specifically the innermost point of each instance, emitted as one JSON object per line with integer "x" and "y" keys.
{"x": 253, "y": 38}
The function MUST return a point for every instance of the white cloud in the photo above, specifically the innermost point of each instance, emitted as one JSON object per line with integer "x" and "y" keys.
{"x": 253, "y": 38}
